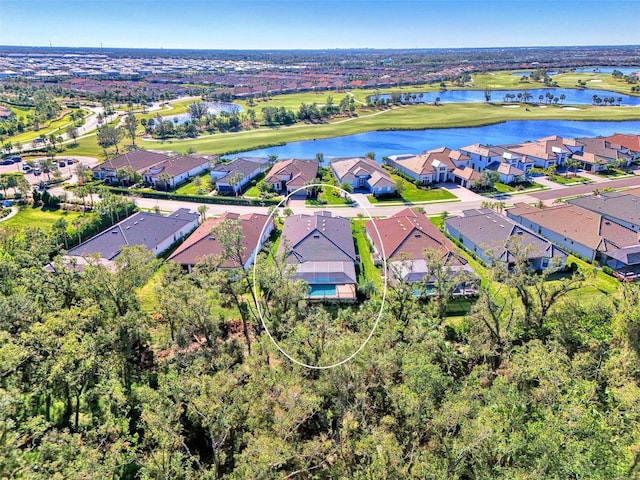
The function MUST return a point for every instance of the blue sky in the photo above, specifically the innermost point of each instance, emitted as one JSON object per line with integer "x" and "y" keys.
{"x": 318, "y": 24}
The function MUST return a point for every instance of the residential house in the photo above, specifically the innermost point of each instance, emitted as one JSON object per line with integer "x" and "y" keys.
{"x": 620, "y": 207}
{"x": 546, "y": 152}
{"x": 254, "y": 227}
{"x": 432, "y": 166}
{"x": 153, "y": 231}
{"x": 137, "y": 160}
{"x": 598, "y": 154}
{"x": 157, "y": 169}
{"x": 629, "y": 141}
{"x": 232, "y": 177}
{"x": 493, "y": 237}
{"x": 481, "y": 155}
{"x": 465, "y": 176}
{"x": 286, "y": 176}
{"x": 403, "y": 239}
{"x": 576, "y": 229}
{"x": 507, "y": 173}
{"x": 322, "y": 249}
{"x": 172, "y": 171}
{"x": 362, "y": 173}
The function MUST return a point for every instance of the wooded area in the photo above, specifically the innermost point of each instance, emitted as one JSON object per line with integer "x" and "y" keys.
{"x": 534, "y": 383}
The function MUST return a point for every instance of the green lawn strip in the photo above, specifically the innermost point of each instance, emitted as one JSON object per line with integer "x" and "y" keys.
{"x": 572, "y": 180}
{"x": 329, "y": 195}
{"x": 147, "y": 293}
{"x": 371, "y": 272}
{"x": 43, "y": 218}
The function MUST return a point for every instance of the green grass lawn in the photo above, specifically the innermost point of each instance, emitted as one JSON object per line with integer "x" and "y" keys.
{"x": 414, "y": 194}
{"x": 573, "y": 179}
{"x": 371, "y": 272}
{"x": 190, "y": 188}
{"x": 39, "y": 217}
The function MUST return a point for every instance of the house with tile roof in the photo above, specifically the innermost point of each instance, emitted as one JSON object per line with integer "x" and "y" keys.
{"x": 157, "y": 169}
{"x": 255, "y": 229}
{"x": 286, "y": 176}
{"x": 576, "y": 229}
{"x": 493, "y": 237}
{"x": 153, "y": 231}
{"x": 507, "y": 173}
{"x": 598, "y": 153}
{"x": 404, "y": 238}
{"x": 231, "y": 177}
{"x": 432, "y": 166}
{"x": 629, "y": 141}
{"x": 620, "y": 207}
{"x": 174, "y": 170}
{"x": 362, "y": 173}
{"x": 137, "y": 160}
{"x": 321, "y": 248}
{"x": 481, "y": 155}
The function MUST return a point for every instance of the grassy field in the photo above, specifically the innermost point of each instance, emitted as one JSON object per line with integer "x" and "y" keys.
{"x": 42, "y": 218}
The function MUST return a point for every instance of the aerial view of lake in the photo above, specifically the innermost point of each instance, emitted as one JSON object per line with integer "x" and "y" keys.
{"x": 572, "y": 96}
{"x": 213, "y": 108}
{"x": 416, "y": 141}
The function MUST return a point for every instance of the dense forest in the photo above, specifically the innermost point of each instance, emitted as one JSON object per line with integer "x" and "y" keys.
{"x": 539, "y": 380}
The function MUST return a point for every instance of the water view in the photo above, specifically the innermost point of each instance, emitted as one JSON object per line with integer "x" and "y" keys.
{"x": 564, "y": 96}
{"x": 416, "y": 141}
{"x": 213, "y": 108}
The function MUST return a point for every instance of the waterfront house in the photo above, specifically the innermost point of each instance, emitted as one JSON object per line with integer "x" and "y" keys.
{"x": 286, "y": 176}
{"x": 231, "y": 177}
{"x": 362, "y": 174}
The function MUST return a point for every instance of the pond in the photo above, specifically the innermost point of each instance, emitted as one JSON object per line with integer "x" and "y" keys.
{"x": 572, "y": 96}
{"x": 416, "y": 141}
{"x": 213, "y": 108}
{"x": 607, "y": 70}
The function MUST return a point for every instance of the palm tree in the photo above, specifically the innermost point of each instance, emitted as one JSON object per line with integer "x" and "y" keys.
{"x": 235, "y": 180}
{"x": 562, "y": 97}
{"x": 164, "y": 179}
{"x": 202, "y": 210}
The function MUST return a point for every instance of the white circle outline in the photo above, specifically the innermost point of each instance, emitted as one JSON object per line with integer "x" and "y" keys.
{"x": 384, "y": 291}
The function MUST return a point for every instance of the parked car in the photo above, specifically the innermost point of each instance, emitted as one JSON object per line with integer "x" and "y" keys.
{"x": 26, "y": 167}
{"x": 16, "y": 159}
{"x": 6, "y": 161}
{"x": 36, "y": 171}
{"x": 61, "y": 163}
{"x": 69, "y": 161}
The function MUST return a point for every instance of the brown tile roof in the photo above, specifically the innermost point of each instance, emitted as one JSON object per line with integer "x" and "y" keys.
{"x": 632, "y": 142}
{"x": 467, "y": 173}
{"x": 423, "y": 163}
{"x": 407, "y": 232}
{"x": 136, "y": 159}
{"x": 361, "y": 166}
{"x": 298, "y": 171}
{"x": 174, "y": 166}
{"x": 202, "y": 242}
{"x": 578, "y": 224}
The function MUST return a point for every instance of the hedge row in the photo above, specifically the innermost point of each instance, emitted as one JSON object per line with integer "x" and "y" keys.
{"x": 197, "y": 198}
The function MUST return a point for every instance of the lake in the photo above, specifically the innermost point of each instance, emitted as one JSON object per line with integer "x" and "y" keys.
{"x": 572, "y": 96}
{"x": 416, "y": 141}
{"x": 213, "y": 108}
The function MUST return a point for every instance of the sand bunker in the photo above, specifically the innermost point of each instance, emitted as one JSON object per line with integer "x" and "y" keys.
{"x": 570, "y": 108}
{"x": 596, "y": 80}
{"x": 511, "y": 106}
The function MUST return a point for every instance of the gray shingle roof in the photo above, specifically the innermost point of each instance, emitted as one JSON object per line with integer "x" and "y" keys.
{"x": 142, "y": 228}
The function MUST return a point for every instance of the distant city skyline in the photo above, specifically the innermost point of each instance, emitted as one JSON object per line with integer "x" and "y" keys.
{"x": 317, "y": 24}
